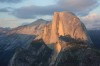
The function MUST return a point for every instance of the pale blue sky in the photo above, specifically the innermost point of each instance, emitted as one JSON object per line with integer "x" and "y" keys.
{"x": 14, "y": 13}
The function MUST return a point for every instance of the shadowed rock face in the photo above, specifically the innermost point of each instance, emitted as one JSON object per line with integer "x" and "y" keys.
{"x": 37, "y": 54}
{"x": 78, "y": 56}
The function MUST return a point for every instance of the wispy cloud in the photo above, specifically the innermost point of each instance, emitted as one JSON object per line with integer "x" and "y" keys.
{"x": 33, "y": 11}
{"x": 92, "y": 21}
{"x": 6, "y": 9}
{"x": 10, "y": 1}
{"x": 80, "y": 7}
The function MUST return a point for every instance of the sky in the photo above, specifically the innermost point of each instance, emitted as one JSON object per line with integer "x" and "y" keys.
{"x": 14, "y": 13}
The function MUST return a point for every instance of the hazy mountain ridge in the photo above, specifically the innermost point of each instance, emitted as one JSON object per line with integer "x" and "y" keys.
{"x": 95, "y": 37}
{"x": 20, "y": 31}
{"x": 18, "y": 37}
{"x": 4, "y": 30}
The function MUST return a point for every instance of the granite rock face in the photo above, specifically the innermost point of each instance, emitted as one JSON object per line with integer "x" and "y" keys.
{"x": 65, "y": 23}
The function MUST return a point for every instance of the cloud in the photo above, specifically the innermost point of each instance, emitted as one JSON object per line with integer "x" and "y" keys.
{"x": 80, "y": 7}
{"x": 6, "y": 9}
{"x": 33, "y": 11}
{"x": 10, "y": 1}
{"x": 92, "y": 21}
{"x": 8, "y": 22}
{"x": 13, "y": 22}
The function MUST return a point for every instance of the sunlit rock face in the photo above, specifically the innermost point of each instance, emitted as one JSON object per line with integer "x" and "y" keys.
{"x": 66, "y": 23}
{"x": 34, "y": 28}
{"x": 46, "y": 33}
{"x": 64, "y": 28}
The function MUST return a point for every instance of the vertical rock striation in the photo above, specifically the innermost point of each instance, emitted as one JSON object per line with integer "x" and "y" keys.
{"x": 66, "y": 23}
{"x": 65, "y": 29}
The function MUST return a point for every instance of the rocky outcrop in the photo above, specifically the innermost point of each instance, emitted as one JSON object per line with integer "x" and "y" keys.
{"x": 64, "y": 42}
{"x": 67, "y": 34}
{"x": 63, "y": 24}
{"x": 46, "y": 33}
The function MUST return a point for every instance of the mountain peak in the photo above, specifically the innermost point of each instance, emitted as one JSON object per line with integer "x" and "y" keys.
{"x": 40, "y": 20}
{"x": 67, "y": 24}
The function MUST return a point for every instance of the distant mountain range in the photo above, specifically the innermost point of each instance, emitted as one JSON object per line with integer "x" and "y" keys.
{"x": 21, "y": 36}
{"x": 4, "y": 30}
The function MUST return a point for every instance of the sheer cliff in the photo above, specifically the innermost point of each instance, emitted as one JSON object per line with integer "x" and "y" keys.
{"x": 65, "y": 23}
